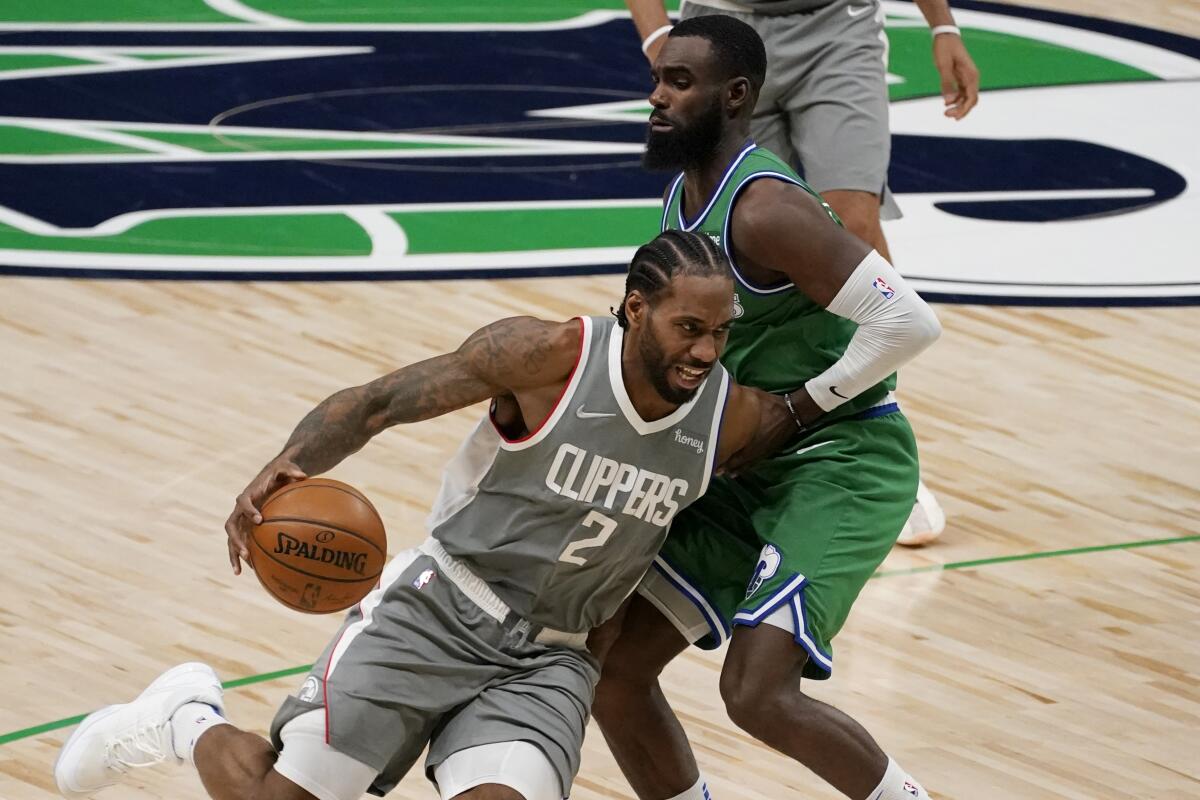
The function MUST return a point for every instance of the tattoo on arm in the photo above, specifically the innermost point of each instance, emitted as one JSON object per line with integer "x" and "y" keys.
{"x": 507, "y": 354}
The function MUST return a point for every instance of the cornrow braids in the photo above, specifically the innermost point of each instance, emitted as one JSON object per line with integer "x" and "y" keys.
{"x": 669, "y": 254}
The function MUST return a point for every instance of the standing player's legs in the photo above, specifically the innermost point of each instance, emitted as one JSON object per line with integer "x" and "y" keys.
{"x": 828, "y": 517}
{"x": 837, "y": 115}
{"x": 838, "y": 110}
{"x": 638, "y": 724}
{"x": 689, "y": 595}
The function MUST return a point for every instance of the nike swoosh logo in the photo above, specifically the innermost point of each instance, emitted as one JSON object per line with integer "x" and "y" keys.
{"x": 812, "y": 447}
{"x": 839, "y": 394}
{"x": 581, "y": 414}
{"x": 858, "y": 12}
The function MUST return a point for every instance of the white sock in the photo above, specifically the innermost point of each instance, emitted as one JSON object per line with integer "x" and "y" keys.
{"x": 898, "y": 785}
{"x": 191, "y": 720}
{"x": 698, "y": 792}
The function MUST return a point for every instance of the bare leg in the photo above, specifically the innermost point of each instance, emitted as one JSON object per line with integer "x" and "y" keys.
{"x": 760, "y": 684}
{"x": 860, "y": 214}
{"x": 236, "y": 765}
{"x": 641, "y": 729}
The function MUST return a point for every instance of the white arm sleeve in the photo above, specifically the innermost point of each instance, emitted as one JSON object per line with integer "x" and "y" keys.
{"x": 894, "y": 325}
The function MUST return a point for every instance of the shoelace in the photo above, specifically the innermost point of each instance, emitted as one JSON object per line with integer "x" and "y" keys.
{"x": 139, "y": 748}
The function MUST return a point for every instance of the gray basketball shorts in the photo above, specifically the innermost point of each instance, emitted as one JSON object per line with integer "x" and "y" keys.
{"x": 824, "y": 106}
{"x": 419, "y": 662}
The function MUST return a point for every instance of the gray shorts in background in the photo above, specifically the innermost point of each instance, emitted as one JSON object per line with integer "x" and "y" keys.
{"x": 418, "y": 662}
{"x": 824, "y": 106}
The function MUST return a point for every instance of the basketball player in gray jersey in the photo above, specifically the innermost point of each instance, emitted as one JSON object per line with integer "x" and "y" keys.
{"x": 599, "y": 432}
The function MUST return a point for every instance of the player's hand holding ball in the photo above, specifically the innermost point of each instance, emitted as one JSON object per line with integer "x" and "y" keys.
{"x": 246, "y": 510}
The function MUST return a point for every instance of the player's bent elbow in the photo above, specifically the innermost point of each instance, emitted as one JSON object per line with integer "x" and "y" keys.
{"x": 927, "y": 328}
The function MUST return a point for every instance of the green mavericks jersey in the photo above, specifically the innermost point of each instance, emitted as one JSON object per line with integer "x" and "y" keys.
{"x": 780, "y": 337}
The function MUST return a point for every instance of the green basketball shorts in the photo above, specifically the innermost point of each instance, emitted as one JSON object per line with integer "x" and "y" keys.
{"x": 803, "y": 531}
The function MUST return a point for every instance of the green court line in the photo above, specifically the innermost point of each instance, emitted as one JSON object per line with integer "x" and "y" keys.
{"x": 891, "y": 573}
{"x": 1073, "y": 551}
{"x": 69, "y": 721}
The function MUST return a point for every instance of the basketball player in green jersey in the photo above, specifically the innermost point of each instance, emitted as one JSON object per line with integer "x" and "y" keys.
{"x": 774, "y": 558}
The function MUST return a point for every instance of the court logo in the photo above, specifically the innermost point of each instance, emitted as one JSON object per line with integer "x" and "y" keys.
{"x": 187, "y": 150}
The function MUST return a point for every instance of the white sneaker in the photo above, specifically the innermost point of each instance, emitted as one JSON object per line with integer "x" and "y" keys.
{"x": 111, "y": 741}
{"x": 925, "y": 523}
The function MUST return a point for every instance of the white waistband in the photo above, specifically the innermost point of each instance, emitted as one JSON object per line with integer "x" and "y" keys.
{"x": 467, "y": 582}
{"x": 888, "y": 399}
{"x": 477, "y": 590}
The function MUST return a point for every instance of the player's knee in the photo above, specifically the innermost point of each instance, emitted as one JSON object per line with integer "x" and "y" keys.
{"x": 633, "y": 666}
{"x": 621, "y": 687}
{"x": 273, "y": 786}
{"x": 490, "y": 791}
{"x": 748, "y": 702}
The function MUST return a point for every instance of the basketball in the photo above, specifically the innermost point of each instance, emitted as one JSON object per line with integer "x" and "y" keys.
{"x": 320, "y": 546}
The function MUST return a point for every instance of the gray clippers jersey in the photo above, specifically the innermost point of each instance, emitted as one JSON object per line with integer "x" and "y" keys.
{"x": 563, "y": 523}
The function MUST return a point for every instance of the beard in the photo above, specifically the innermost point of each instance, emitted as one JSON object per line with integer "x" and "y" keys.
{"x": 683, "y": 147}
{"x": 654, "y": 361}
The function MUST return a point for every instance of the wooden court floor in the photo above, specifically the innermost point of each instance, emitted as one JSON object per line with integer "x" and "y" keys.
{"x": 1034, "y": 652}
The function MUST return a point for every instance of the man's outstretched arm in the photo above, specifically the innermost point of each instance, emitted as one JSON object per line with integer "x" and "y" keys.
{"x": 779, "y": 227}
{"x": 508, "y": 356}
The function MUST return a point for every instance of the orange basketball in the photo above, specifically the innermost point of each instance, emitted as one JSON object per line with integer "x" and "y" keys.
{"x": 320, "y": 547}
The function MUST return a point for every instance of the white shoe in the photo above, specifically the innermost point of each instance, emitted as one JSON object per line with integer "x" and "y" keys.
{"x": 925, "y": 523}
{"x": 111, "y": 741}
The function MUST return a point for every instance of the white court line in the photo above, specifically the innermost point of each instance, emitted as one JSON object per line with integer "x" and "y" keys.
{"x": 584, "y": 20}
{"x": 157, "y": 149}
{"x": 473, "y": 146}
{"x": 91, "y": 54}
{"x": 238, "y": 10}
{"x": 125, "y": 222}
{"x": 1033, "y": 194}
{"x": 221, "y": 56}
{"x": 388, "y": 239}
{"x": 517, "y": 262}
{"x": 573, "y": 149}
{"x": 301, "y": 133}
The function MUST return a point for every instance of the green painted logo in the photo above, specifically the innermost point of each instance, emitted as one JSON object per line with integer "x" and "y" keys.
{"x": 1070, "y": 185}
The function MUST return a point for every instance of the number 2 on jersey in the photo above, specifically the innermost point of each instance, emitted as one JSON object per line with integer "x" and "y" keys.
{"x": 593, "y": 519}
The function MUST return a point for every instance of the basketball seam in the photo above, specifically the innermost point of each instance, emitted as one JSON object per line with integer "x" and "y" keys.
{"x": 328, "y": 525}
{"x": 281, "y": 563}
{"x": 357, "y": 495}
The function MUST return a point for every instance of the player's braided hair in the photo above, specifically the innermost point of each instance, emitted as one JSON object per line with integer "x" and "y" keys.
{"x": 737, "y": 47}
{"x": 669, "y": 254}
